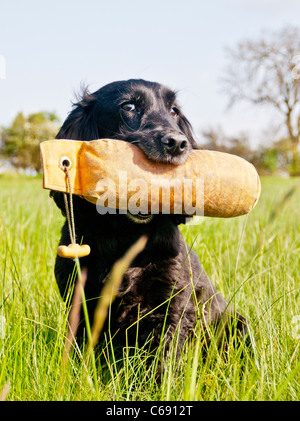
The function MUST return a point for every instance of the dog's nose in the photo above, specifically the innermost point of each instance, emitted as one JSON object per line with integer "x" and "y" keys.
{"x": 175, "y": 144}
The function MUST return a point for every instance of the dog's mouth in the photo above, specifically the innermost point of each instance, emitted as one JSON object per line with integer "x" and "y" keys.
{"x": 162, "y": 156}
{"x": 174, "y": 160}
{"x": 140, "y": 218}
{"x": 172, "y": 148}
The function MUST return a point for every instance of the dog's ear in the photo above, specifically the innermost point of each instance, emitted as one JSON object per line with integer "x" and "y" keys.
{"x": 186, "y": 128}
{"x": 81, "y": 124}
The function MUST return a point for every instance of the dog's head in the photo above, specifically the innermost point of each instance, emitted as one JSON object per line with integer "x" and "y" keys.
{"x": 136, "y": 111}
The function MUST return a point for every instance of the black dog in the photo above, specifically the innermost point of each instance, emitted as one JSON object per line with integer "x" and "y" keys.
{"x": 146, "y": 114}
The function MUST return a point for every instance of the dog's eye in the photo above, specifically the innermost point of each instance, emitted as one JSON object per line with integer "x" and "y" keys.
{"x": 174, "y": 112}
{"x": 128, "y": 106}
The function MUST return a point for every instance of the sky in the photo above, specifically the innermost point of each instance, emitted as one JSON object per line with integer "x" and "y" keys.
{"x": 49, "y": 48}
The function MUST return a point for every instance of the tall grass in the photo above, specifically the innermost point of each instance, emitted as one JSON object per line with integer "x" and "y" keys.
{"x": 253, "y": 260}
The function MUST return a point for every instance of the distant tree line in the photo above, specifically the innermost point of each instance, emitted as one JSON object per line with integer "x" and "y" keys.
{"x": 277, "y": 158}
{"x": 19, "y": 145}
{"x": 20, "y": 142}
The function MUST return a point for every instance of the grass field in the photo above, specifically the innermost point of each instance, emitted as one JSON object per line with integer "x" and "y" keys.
{"x": 253, "y": 260}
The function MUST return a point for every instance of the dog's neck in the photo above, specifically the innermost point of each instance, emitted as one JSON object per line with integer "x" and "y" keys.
{"x": 110, "y": 235}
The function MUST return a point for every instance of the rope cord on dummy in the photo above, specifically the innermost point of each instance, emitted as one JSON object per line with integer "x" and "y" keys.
{"x": 73, "y": 250}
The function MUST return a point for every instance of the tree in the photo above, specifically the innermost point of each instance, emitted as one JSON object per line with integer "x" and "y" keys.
{"x": 20, "y": 142}
{"x": 216, "y": 140}
{"x": 267, "y": 71}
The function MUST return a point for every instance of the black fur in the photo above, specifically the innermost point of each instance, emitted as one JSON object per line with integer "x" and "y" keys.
{"x": 146, "y": 114}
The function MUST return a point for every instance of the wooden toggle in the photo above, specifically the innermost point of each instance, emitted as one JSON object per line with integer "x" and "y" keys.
{"x": 74, "y": 250}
